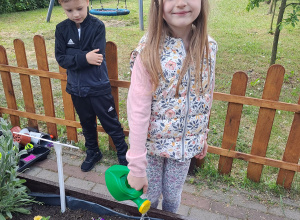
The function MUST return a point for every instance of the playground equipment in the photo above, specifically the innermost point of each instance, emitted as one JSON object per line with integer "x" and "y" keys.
{"x": 141, "y": 20}
{"x": 109, "y": 11}
{"x": 117, "y": 185}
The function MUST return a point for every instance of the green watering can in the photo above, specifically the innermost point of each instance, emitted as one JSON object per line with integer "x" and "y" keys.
{"x": 117, "y": 185}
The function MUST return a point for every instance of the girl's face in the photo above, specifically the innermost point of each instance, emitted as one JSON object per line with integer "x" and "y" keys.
{"x": 76, "y": 10}
{"x": 180, "y": 14}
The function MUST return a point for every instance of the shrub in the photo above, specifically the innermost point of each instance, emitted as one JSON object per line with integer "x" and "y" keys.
{"x": 23, "y": 5}
{"x": 13, "y": 193}
{"x": 5, "y": 6}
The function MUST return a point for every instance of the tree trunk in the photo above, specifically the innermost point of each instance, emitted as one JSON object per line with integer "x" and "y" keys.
{"x": 277, "y": 31}
{"x": 274, "y": 9}
{"x": 271, "y": 7}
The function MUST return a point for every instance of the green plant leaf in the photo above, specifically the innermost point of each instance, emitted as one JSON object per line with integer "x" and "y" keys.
{"x": 2, "y": 217}
{"x": 8, "y": 213}
{"x": 12, "y": 191}
{"x": 22, "y": 210}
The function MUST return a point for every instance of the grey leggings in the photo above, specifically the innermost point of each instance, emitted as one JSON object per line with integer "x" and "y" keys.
{"x": 166, "y": 177}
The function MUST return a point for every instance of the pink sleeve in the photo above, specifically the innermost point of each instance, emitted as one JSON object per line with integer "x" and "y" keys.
{"x": 138, "y": 112}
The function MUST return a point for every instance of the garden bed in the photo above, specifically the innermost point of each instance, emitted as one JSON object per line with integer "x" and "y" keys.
{"x": 55, "y": 214}
{"x": 39, "y": 185}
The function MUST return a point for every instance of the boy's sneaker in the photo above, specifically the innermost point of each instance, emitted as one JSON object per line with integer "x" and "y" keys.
{"x": 91, "y": 159}
{"x": 123, "y": 162}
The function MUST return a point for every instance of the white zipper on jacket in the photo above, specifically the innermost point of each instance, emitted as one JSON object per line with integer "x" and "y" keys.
{"x": 79, "y": 75}
{"x": 186, "y": 114}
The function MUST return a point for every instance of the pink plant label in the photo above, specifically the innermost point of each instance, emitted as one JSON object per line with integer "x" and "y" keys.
{"x": 29, "y": 158}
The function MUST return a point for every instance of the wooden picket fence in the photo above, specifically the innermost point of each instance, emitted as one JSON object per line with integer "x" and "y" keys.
{"x": 268, "y": 105}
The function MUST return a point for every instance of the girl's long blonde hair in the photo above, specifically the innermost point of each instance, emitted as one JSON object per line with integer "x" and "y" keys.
{"x": 157, "y": 31}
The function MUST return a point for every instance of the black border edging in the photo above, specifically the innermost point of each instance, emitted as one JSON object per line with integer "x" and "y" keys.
{"x": 75, "y": 204}
{"x": 39, "y": 185}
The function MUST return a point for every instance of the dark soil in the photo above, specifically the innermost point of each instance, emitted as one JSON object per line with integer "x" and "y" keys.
{"x": 55, "y": 214}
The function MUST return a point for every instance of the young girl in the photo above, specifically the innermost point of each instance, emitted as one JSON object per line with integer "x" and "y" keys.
{"x": 170, "y": 98}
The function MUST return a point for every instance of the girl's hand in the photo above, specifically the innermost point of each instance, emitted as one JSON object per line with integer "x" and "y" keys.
{"x": 138, "y": 183}
{"x": 203, "y": 153}
{"x": 94, "y": 58}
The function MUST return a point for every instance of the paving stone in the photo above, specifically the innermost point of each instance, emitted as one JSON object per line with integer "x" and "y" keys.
{"x": 79, "y": 183}
{"x": 257, "y": 215}
{"x": 232, "y": 218}
{"x": 217, "y": 196}
{"x": 101, "y": 168}
{"x": 72, "y": 160}
{"x": 49, "y": 175}
{"x": 71, "y": 151}
{"x": 195, "y": 201}
{"x": 229, "y": 210}
{"x": 240, "y": 200}
{"x": 102, "y": 189}
{"x": 284, "y": 212}
{"x": 95, "y": 177}
{"x": 159, "y": 206}
{"x": 128, "y": 202}
{"x": 183, "y": 210}
{"x": 189, "y": 188}
{"x": 33, "y": 171}
{"x": 52, "y": 156}
{"x": 290, "y": 202}
{"x": 47, "y": 164}
{"x": 292, "y": 213}
{"x": 199, "y": 214}
{"x": 73, "y": 171}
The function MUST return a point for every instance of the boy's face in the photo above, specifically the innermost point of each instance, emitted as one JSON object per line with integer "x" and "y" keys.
{"x": 76, "y": 10}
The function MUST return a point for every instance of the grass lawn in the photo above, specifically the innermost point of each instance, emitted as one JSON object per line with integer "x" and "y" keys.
{"x": 244, "y": 44}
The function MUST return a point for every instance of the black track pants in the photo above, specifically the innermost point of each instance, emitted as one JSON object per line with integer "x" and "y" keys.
{"x": 103, "y": 107}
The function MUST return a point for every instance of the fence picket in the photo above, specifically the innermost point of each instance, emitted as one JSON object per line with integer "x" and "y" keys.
{"x": 68, "y": 108}
{"x": 8, "y": 88}
{"x": 265, "y": 120}
{"x": 42, "y": 63}
{"x": 232, "y": 122}
{"x": 112, "y": 67}
{"x": 25, "y": 81}
{"x": 291, "y": 153}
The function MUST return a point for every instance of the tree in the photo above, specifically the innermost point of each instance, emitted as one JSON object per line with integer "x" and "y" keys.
{"x": 292, "y": 19}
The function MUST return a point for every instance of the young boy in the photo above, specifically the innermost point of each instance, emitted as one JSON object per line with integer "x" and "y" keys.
{"x": 80, "y": 48}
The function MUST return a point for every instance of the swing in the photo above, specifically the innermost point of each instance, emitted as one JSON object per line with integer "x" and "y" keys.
{"x": 109, "y": 11}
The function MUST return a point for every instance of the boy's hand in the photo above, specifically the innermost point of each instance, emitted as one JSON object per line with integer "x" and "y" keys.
{"x": 138, "y": 183}
{"x": 94, "y": 58}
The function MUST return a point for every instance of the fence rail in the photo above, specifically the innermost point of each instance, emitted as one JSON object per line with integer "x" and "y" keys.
{"x": 268, "y": 105}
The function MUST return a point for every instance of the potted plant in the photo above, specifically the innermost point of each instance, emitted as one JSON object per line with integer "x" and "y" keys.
{"x": 13, "y": 193}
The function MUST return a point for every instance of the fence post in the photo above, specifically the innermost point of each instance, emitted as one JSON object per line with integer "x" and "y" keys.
{"x": 68, "y": 108}
{"x": 265, "y": 120}
{"x": 232, "y": 122}
{"x": 25, "y": 81}
{"x": 291, "y": 153}
{"x": 8, "y": 88}
{"x": 42, "y": 63}
{"x": 112, "y": 68}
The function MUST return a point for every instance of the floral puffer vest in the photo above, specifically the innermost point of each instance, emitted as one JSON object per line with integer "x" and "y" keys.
{"x": 178, "y": 125}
